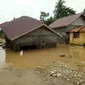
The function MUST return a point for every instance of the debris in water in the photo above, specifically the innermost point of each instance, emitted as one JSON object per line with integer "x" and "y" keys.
{"x": 38, "y": 67}
{"x": 62, "y": 55}
{"x": 21, "y": 53}
{"x": 53, "y": 61}
{"x": 82, "y": 62}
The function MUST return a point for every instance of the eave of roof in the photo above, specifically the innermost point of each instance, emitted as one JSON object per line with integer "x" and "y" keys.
{"x": 58, "y": 23}
{"x": 58, "y": 27}
{"x": 19, "y": 26}
{"x": 78, "y": 29}
{"x": 35, "y": 29}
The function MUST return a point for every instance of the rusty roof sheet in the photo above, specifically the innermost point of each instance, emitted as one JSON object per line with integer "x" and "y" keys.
{"x": 65, "y": 21}
{"x": 78, "y": 29}
{"x": 83, "y": 29}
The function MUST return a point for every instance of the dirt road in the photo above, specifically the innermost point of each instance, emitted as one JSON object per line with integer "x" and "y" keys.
{"x": 53, "y": 74}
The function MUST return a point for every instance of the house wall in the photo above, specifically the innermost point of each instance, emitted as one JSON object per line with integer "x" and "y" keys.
{"x": 79, "y": 21}
{"x": 77, "y": 41}
{"x": 1, "y": 34}
{"x": 63, "y": 30}
{"x": 36, "y": 37}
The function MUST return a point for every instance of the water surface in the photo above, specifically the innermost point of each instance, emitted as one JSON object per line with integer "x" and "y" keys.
{"x": 75, "y": 55}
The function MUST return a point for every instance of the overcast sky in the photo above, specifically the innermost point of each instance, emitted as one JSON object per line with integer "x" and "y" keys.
{"x": 16, "y": 8}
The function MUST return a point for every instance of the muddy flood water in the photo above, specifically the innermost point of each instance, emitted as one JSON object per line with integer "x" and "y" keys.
{"x": 74, "y": 57}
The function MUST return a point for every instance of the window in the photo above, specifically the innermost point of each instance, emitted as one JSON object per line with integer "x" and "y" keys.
{"x": 76, "y": 35}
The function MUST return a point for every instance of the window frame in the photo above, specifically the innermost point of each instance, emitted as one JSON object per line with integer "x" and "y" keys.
{"x": 76, "y": 34}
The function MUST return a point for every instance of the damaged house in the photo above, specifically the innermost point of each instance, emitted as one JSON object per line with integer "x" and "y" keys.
{"x": 65, "y": 24}
{"x": 28, "y": 32}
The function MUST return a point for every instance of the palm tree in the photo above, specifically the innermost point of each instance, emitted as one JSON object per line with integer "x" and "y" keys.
{"x": 58, "y": 8}
{"x": 61, "y": 10}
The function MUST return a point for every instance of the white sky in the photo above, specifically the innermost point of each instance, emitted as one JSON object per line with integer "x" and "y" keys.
{"x": 16, "y": 8}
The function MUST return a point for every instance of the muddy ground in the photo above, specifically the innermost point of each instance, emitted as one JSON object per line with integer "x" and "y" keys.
{"x": 52, "y": 74}
{"x": 63, "y": 65}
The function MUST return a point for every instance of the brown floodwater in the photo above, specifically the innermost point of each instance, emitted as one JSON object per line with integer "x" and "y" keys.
{"x": 75, "y": 56}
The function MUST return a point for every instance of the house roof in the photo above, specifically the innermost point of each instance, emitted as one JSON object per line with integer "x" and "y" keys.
{"x": 78, "y": 29}
{"x": 20, "y": 26}
{"x": 65, "y": 21}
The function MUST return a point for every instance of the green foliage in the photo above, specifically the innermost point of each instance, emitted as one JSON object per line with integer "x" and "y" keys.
{"x": 61, "y": 10}
{"x": 45, "y": 17}
{"x": 84, "y": 11}
{"x": 49, "y": 21}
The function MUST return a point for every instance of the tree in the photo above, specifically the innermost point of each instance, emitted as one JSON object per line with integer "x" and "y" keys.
{"x": 84, "y": 11}
{"x": 49, "y": 20}
{"x": 61, "y": 10}
{"x": 46, "y": 18}
{"x": 43, "y": 15}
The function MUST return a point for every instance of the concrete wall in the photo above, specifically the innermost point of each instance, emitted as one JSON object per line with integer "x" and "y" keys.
{"x": 36, "y": 37}
{"x": 77, "y": 41}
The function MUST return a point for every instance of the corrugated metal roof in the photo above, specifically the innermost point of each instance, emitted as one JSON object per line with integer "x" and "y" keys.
{"x": 65, "y": 21}
{"x": 78, "y": 29}
{"x": 20, "y": 26}
{"x": 83, "y": 29}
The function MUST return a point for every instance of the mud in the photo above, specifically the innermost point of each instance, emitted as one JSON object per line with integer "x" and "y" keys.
{"x": 70, "y": 55}
{"x": 50, "y": 74}
{"x": 63, "y": 65}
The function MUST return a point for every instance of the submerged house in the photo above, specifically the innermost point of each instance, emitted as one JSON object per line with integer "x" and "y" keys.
{"x": 65, "y": 24}
{"x": 28, "y": 32}
{"x": 77, "y": 36}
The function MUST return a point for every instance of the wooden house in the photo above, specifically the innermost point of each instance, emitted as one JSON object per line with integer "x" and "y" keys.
{"x": 77, "y": 36}
{"x": 28, "y": 32}
{"x": 65, "y": 24}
